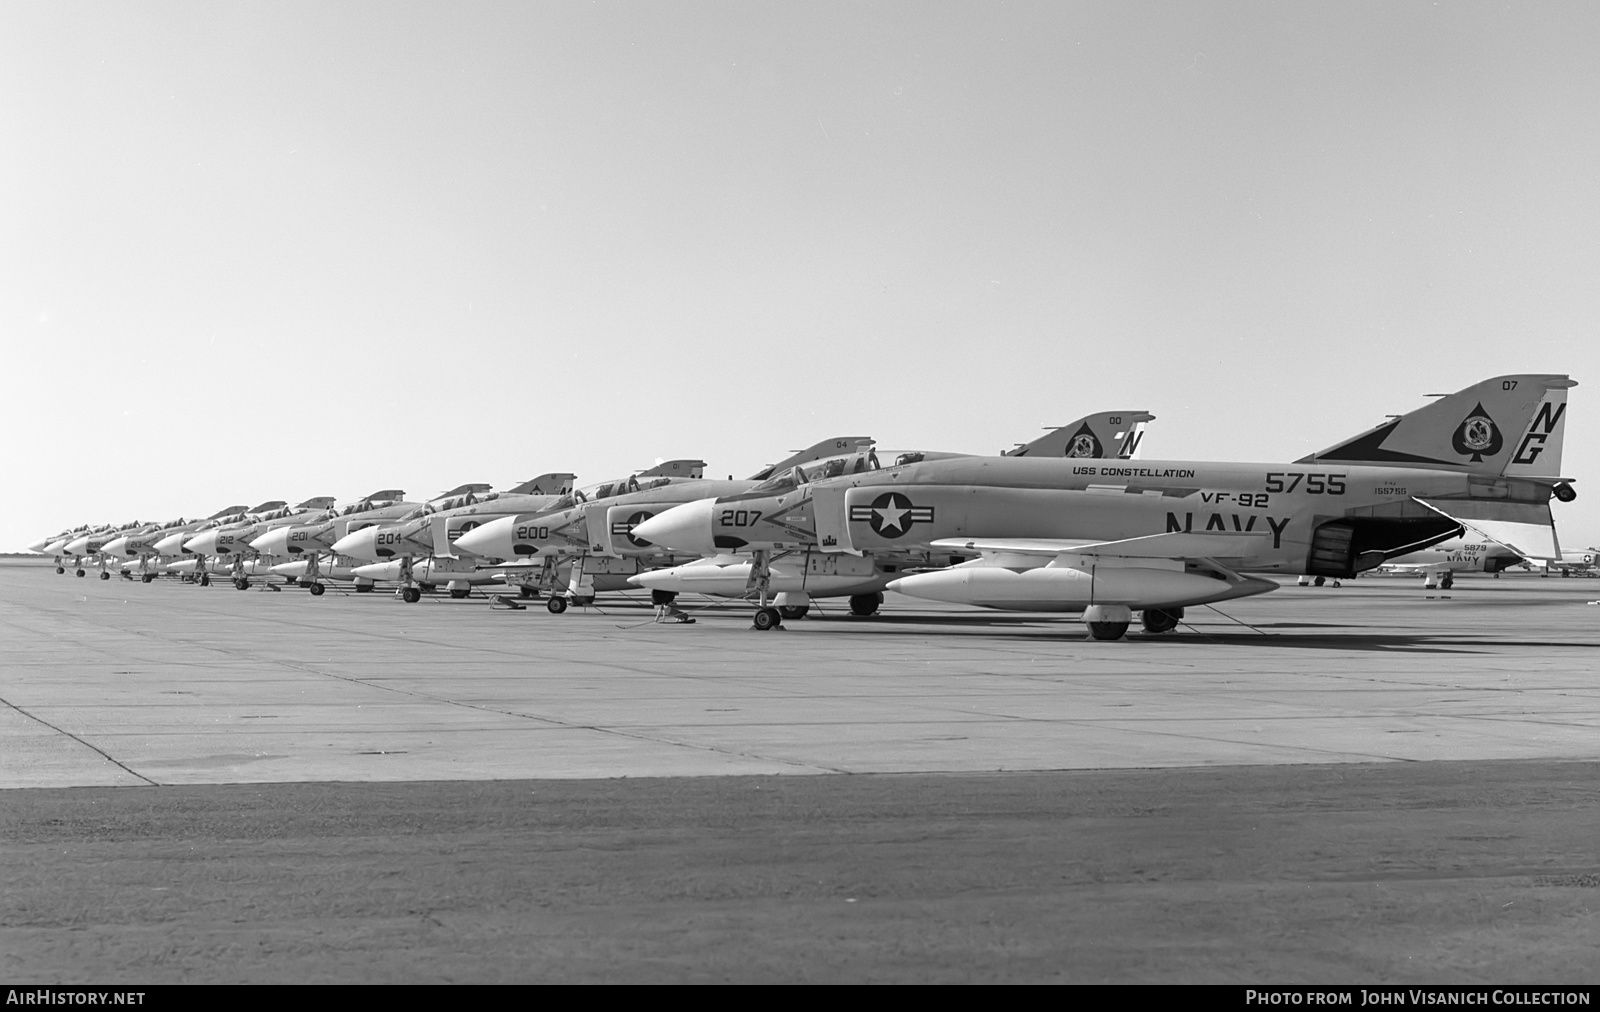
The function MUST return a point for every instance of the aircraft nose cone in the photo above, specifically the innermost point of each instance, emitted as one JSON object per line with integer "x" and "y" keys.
{"x": 274, "y": 542}
{"x": 172, "y": 544}
{"x": 202, "y": 544}
{"x": 77, "y": 546}
{"x": 683, "y": 528}
{"x": 40, "y": 545}
{"x": 362, "y": 544}
{"x": 116, "y": 546}
{"x": 57, "y": 546}
{"x": 492, "y": 539}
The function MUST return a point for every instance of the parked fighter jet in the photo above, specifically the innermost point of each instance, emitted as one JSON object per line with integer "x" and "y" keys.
{"x": 1472, "y": 553}
{"x": 1109, "y": 539}
{"x": 89, "y": 547}
{"x": 863, "y": 577}
{"x": 1584, "y": 563}
{"x": 428, "y": 533}
{"x": 306, "y": 543}
{"x": 592, "y": 533}
{"x": 231, "y": 541}
{"x": 139, "y": 547}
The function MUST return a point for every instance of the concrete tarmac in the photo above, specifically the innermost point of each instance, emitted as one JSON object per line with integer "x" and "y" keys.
{"x": 1369, "y": 783}
{"x": 120, "y": 683}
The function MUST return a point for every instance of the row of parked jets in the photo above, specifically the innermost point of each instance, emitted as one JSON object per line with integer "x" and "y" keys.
{"x": 1076, "y": 521}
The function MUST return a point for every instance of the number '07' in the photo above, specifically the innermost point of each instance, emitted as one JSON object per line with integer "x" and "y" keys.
{"x": 1315, "y": 484}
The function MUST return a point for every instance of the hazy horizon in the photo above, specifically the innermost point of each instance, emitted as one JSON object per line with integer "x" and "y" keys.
{"x": 281, "y": 250}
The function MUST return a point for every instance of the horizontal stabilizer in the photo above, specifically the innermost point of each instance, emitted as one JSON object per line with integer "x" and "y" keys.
{"x": 1174, "y": 545}
{"x": 1526, "y": 528}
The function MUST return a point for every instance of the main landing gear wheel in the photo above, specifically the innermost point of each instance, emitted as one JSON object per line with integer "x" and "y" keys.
{"x": 105, "y": 576}
{"x": 528, "y": 593}
{"x": 363, "y": 588}
{"x": 317, "y": 590}
{"x": 241, "y": 584}
{"x": 60, "y": 570}
{"x": 767, "y": 618}
{"x": 205, "y": 581}
{"x": 1107, "y": 630}
{"x": 556, "y": 605}
{"x": 1563, "y": 572}
{"x": 1447, "y": 581}
{"x": 1319, "y": 581}
{"x": 793, "y": 610}
{"x": 662, "y": 598}
{"x": 410, "y": 595}
{"x": 862, "y": 605}
{"x": 460, "y": 593}
{"x": 146, "y": 578}
{"x": 1160, "y": 620}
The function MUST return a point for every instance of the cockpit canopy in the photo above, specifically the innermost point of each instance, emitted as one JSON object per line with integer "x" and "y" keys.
{"x": 607, "y": 489}
{"x": 858, "y": 462}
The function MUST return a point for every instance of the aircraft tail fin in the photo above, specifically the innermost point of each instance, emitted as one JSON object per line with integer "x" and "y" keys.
{"x": 554, "y": 483}
{"x": 320, "y": 502}
{"x": 386, "y": 494}
{"x": 837, "y": 446}
{"x": 227, "y": 511}
{"x": 1508, "y": 425}
{"x": 1107, "y": 434}
{"x": 675, "y": 469}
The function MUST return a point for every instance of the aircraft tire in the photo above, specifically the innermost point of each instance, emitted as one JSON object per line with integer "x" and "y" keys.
{"x": 146, "y": 578}
{"x": 767, "y": 618}
{"x": 1447, "y": 581}
{"x": 528, "y": 593}
{"x": 241, "y": 584}
{"x": 105, "y": 575}
{"x": 1107, "y": 630}
{"x": 556, "y": 605}
{"x": 60, "y": 570}
{"x": 205, "y": 580}
{"x": 793, "y": 611}
{"x": 1319, "y": 581}
{"x": 661, "y": 598}
{"x": 1160, "y": 620}
{"x": 364, "y": 588}
{"x": 317, "y": 590}
{"x": 862, "y": 605}
{"x": 410, "y": 595}
{"x": 1563, "y": 572}
{"x": 461, "y": 593}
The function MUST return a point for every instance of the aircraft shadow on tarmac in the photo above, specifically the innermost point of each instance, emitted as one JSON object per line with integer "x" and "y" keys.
{"x": 997, "y": 626}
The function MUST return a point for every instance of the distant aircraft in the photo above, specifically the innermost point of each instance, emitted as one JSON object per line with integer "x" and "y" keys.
{"x": 588, "y": 533}
{"x": 1109, "y": 539}
{"x": 305, "y": 544}
{"x": 139, "y": 547}
{"x": 231, "y": 540}
{"x": 1584, "y": 563}
{"x": 1438, "y": 565}
{"x": 390, "y": 551}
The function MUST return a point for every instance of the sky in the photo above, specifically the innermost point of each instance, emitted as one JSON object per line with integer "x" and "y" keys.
{"x": 274, "y": 250}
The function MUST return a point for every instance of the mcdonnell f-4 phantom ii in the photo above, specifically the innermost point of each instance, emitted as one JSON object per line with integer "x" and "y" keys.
{"x": 231, "y": 541}
{"x": 798, "y": 577}
{"x": 304, "y": 544}
{"x": 417, "y": 549}
{"x": 1108, "y": 539}
{"x": 584, "y": 541}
